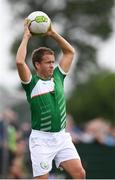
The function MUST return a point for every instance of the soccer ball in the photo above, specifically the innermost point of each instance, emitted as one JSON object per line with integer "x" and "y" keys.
{"x": 40, "y": 22}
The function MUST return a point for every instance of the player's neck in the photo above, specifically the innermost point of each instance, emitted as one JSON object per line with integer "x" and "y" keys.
{"x": 41, "y": 76}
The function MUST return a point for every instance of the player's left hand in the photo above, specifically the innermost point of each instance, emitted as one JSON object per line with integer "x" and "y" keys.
{"x": 50, "y": 31}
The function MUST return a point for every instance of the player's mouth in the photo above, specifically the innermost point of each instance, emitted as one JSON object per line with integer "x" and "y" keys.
{"x": 51, "y": 71}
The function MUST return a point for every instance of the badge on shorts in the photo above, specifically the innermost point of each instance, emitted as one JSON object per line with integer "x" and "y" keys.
{"x": 44, "y": 165}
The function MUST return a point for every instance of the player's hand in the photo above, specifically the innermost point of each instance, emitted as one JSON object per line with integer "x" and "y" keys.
{"x": 50, "y": 32}
{"x": 26, "y": 28}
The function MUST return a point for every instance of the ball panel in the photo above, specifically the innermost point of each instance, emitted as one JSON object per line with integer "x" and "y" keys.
{"x": 40, "y": 19}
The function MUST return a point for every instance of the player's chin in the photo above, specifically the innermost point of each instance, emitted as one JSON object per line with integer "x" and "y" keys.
{"x": 51, "y": 72}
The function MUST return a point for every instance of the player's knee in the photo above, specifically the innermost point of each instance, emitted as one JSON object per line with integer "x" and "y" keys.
{"x": 79, "y": 173}
{"x": 82, "y": 173}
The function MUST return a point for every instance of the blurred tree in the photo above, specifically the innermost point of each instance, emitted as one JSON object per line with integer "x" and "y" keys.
{"x": 94, "y": 98}
{"x": 83, "y": 22}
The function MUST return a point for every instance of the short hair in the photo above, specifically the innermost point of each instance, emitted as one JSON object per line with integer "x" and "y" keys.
{"x": 38, "y": 54}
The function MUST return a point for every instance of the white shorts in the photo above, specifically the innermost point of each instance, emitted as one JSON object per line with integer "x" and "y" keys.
{"x": 46, "y": 147}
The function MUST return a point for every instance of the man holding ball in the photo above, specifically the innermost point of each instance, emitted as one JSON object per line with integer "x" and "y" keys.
{"x": 45, "y": 93}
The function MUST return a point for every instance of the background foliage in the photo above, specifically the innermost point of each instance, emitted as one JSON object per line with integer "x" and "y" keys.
{"x": 94, "y": 98}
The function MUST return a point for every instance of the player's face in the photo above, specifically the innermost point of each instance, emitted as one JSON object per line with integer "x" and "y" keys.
{"x": 46, "y": 66}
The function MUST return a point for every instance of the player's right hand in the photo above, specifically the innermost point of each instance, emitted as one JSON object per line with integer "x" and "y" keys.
{"x": 26, "y": 28}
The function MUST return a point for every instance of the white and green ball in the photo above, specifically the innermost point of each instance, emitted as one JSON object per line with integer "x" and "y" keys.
{"x": 40, "y": 22}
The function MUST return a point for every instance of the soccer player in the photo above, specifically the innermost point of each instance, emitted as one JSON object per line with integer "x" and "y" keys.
{"x": 48, "y": 140}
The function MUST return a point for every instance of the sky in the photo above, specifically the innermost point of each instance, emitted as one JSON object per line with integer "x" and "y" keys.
{"x": 105, "y": 54}
{"x": 7, "y": 77}
{"x": 106, "y": 51}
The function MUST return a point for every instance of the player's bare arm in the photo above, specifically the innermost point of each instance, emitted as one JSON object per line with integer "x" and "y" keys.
{"x": 23, "y": 69}
{"x": 67, "y": 49}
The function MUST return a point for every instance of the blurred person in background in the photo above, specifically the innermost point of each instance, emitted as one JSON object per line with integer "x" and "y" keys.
{"x": 45, "y": 94}
{"x": 8, "y": 134}
{"x": 3, "y": 144}
{"x": 78, "y": 134}
{"x": 25, "y": 130}
{"x": 17, "y": 167}
{"x": 72, "y": 129}
{"x": 99, "y": 129}
{"x": 110, "y": 138}
{"x": 10, "y": 117}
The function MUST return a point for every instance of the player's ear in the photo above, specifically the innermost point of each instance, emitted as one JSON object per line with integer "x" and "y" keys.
{"x": 37, "y": 65}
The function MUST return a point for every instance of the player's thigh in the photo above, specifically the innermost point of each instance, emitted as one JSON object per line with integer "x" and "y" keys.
{"x": 45, "y": 176}
{"x": 73, "y": 167}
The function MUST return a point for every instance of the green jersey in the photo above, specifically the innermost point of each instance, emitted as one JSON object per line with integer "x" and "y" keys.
{"x": 47, "y": 102}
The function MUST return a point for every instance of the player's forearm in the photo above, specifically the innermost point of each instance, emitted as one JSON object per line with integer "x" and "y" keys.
{"x": 64, "y": 45}
{"x": 22, "y": 51}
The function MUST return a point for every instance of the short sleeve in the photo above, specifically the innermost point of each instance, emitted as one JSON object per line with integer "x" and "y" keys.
{"x": 28, "y": 86}
{"x": 59, "y": 71}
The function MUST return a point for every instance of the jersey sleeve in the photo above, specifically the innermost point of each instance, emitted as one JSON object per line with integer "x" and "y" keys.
{"x": 28, "y": 86}
{"x": 59, "y": 71}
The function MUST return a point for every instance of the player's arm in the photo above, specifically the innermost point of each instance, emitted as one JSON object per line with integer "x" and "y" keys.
{"x": 67, "y": 49}
{"x": 23, "y": 69}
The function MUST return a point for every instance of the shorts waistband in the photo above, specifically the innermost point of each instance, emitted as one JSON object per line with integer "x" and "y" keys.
{"x": 36, "y": 132}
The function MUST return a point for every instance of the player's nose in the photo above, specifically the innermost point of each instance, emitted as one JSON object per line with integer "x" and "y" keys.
{"x": 51, "y": 65}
